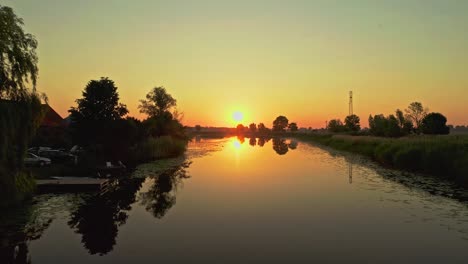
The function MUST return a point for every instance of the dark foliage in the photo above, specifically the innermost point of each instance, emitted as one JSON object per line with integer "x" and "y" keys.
{"x": 280, "y": 146}
{"x": 18, "y": 59}
{"x": 293, "y": 127}
{"x": 352, "y": 123}
{"x": 93, "y": 120}
{"x": 280, "y": 124}
{"x": 435, "y": 124}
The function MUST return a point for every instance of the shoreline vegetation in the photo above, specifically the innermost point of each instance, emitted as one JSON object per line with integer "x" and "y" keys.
{"x": 440, "y": 156}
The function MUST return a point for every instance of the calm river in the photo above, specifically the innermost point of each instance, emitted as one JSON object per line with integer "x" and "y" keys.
{"x": 248, "y": 201}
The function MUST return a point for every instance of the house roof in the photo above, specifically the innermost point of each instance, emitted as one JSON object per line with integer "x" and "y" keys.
{"x": 51, "y": 118}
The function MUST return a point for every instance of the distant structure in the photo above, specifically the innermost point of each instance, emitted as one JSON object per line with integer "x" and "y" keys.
{"x": 350, "y": 102}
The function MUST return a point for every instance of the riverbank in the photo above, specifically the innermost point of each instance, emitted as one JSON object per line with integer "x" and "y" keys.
{"x": 441, "y": 156}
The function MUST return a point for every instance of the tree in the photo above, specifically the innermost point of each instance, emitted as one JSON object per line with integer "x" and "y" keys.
{"x": 100, "y": 102}
{"x": 335, "y": 126}
{"x": 405, "y": 125}
{"x": 382, "y": 126}
{"x": 392, "y": 129}
{"x": 253, "y": 128}
{"x": 435, "y": 124}
{"x": 261, "y": 128}
{"x": 18, "y": 59}
{"x": 240, "y": 128}
{"x": 280, "y": 123}
{"x": 352, "y": 123}
{"x": 293, "y": 127}
{"x": 99, "y": 107}
{"x": 416, "y": 113}
{"x": 21, "y": 112}
{"x": 400, "y": 117}
{"x": 157, "y": 102}
{"x": 197, "y": 127}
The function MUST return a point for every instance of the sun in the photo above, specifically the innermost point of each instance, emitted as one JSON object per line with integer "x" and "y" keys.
{"x": 237, "y": 116}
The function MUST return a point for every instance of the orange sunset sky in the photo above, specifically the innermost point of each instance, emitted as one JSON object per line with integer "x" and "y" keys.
{"x": 262, "y": 58}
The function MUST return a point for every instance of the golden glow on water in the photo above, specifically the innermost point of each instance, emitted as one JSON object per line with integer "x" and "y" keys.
{"x": 249, "y": 201}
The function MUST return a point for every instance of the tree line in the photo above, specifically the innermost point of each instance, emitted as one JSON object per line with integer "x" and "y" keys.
{"x": 280, "y": 124}
{"x": 100, "y": 123}
{"x": 416, "y": 119}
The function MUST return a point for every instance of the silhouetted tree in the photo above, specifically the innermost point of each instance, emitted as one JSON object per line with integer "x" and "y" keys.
{"x": 352, "y": 123}
{"x": 262, "y": 129}
{"x": 253, "y": 128}
{"x": 197, "y": 127}
{"x": 382, "y": 126}
{"x": 280, "y": 146}
{"x": 335, "y": 126}
{"x": 21, "y": 112}
{"x": 416, "y": 113}
{"x": 157, "y": 102}
{"x": 280, "y": 124}
{"x": 406, "y": 125}
{"x": 162, "y": 119}
{"x": 240, "y": 128}
{"x": 435, "y": 123}
{"x": 293, "y": 127}
{"x": 18, "y": 59}
{"x": 92, "y": 121}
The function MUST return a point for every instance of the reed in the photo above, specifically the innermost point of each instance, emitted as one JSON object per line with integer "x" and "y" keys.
{"x": 442, "y": 156}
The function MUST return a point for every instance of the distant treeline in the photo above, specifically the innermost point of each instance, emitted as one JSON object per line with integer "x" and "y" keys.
{"x": 414, "y": 120}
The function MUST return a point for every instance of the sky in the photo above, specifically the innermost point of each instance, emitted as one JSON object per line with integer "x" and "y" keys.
{"x": 297, "y": 58}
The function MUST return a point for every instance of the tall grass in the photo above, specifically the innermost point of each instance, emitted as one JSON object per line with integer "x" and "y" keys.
{"x": 443, "y": 156}
{"x": 159, "y": 148}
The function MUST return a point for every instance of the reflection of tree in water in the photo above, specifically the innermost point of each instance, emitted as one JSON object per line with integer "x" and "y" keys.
{"x": 17, "y": 252}
{"x": 162, "y": 194}
{"x": 24, "y": 224}
{"x": 241, "y": 139}
{"x": 14, "y": 243}
{"x": 98, "y": 219}
{"x": 280, "y": 146}
{"x": 252, "y": 141}
{"x": 293, "y": 144}
{"x": 261, "y": 142}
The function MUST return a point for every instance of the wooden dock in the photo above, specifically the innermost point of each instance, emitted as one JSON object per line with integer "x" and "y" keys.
{"x": 72, "y": 184}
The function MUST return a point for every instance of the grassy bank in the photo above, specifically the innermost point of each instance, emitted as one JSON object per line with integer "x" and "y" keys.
{"x": 159, "y": 148}
{"x": 442, "y": 156}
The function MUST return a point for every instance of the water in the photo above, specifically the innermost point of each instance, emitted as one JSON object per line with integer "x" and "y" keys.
{"x": 249, "y": 201}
